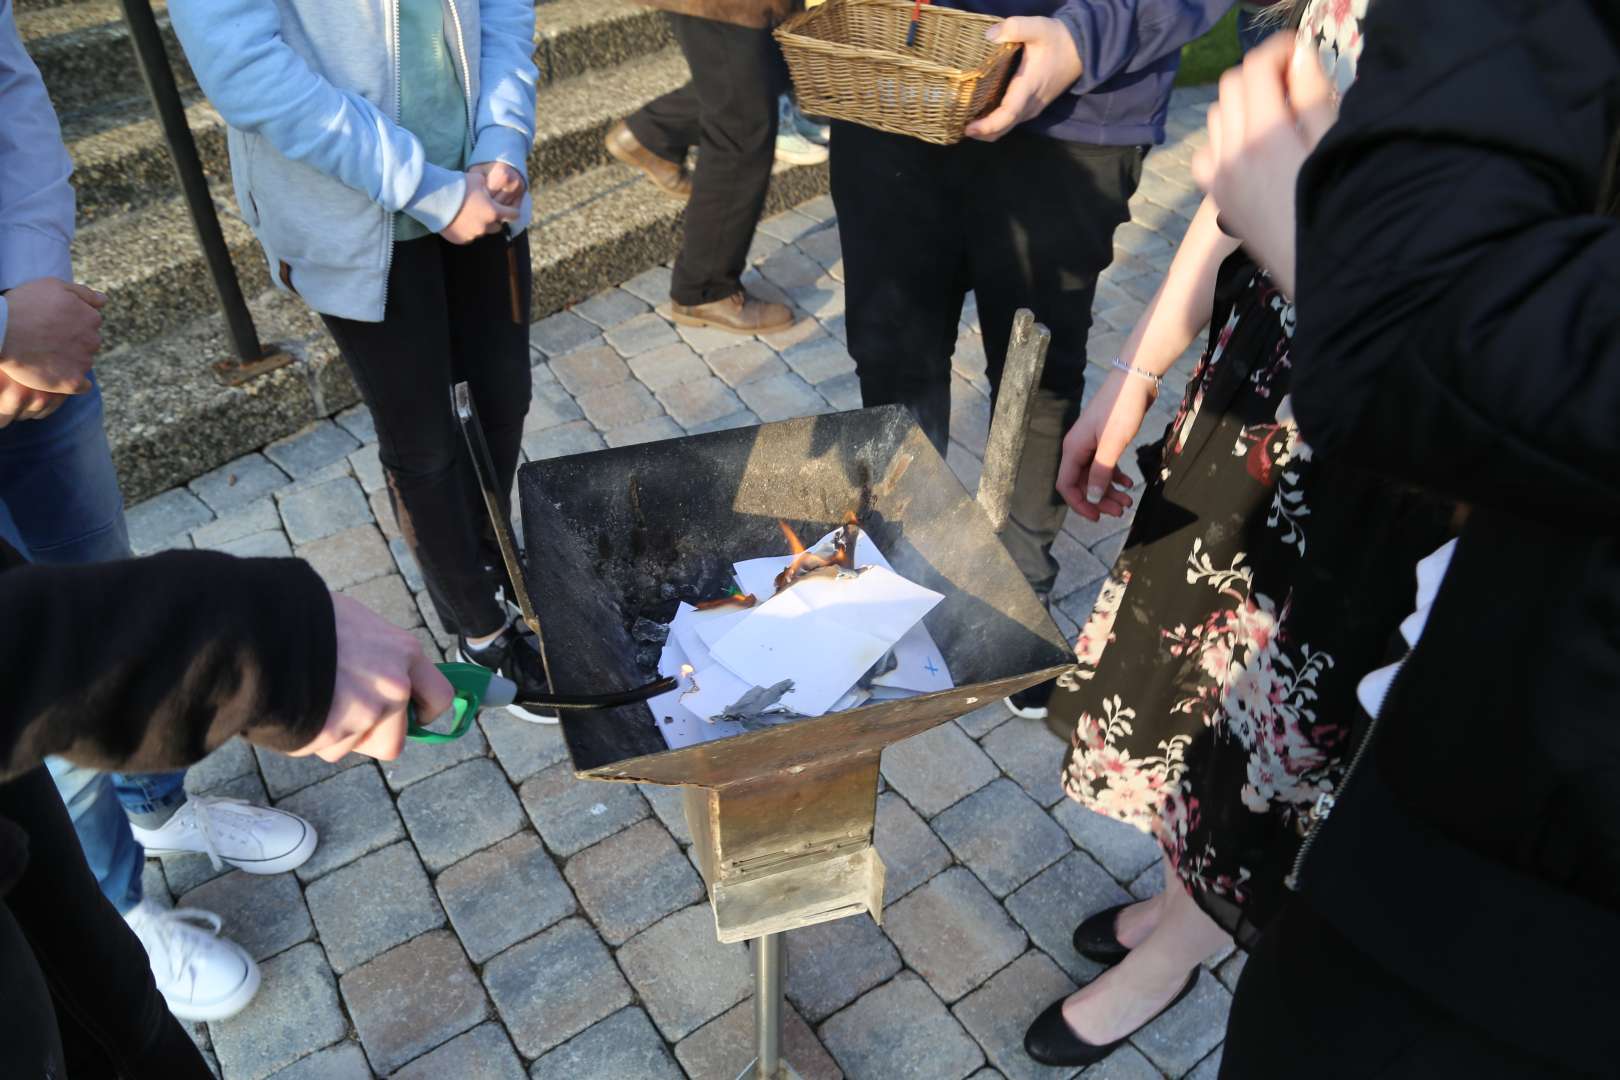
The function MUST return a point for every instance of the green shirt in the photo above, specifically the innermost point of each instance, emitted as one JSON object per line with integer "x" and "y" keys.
{"x": 432, "y": 105}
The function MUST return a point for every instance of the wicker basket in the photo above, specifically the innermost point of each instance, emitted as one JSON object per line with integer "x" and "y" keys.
{"x": 850, "y": 61}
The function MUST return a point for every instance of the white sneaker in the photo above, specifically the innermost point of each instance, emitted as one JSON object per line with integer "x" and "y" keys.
{"x": 201, "y": 975}
{"x": 792, "y": 148}
{"x": 256, "y": 839}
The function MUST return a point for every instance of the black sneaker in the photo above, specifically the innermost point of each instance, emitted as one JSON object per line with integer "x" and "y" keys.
{"x": 1031, "y": 704}
{"x": 513, "y": 656}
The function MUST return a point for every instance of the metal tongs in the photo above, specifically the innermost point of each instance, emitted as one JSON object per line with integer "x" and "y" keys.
{"x": 477, "y": 687}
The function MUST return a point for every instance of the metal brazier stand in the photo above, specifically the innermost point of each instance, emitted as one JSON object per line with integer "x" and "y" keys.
{"x": 781, "y": 818}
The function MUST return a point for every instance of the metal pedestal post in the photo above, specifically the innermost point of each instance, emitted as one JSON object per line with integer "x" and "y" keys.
{"x": 768, "y": 979}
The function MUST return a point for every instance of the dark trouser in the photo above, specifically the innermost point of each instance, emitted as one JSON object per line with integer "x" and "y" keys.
{"x": 728, "y": 111}
{"x": 449, "y": 320}
{"x": 1024, "y": 222}
{"x": 1310, "y": 1004}
{"x": 76, "y": 994}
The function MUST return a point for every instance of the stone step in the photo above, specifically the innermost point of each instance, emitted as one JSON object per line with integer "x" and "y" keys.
{"x": 83, "y": 49}
{"x": 126, "y": 165}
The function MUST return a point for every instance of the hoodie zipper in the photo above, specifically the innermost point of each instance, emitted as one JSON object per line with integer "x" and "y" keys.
{"x": 390, "y": 216}
{"x": 466, "y": 68}
{"x": 1318, "y": 814}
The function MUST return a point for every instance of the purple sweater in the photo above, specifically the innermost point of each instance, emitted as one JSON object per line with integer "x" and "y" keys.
{"x": 1129, "y": 51}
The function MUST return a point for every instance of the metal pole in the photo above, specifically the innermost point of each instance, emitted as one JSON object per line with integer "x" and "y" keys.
{"x": 1009, "y": 428}
{"x": 171, "y": 114}
{"x": 768, "y": 1005}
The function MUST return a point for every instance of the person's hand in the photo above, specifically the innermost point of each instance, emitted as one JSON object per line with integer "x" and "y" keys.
{"x": 1049, "y": 66}
{"x": 503, "y": 183}
{"x": 480, "y": 214}
{"x": 1271, "y": 113}
{"x": 19, "y": 402}
{"x": 53, "y": 332}
{"x": 381, "y": 669}
{"x": 1089, "y": 477}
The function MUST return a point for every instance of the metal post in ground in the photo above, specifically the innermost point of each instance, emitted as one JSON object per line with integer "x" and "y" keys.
{"x": 250, "y": 357}
{"x": 768, "y": 982}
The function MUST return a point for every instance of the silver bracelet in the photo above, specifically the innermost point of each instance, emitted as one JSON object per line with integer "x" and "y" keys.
{"x": 1140, "y": 373}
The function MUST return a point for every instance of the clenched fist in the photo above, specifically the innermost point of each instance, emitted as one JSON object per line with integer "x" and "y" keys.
{"x": 53, "y": 332}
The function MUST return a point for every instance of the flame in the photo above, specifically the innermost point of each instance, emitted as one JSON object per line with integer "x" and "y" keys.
{"x": 795, "y": 545}
{"x": 687, "y": 671}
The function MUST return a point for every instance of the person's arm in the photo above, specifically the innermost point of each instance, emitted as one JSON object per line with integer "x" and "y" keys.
{"x": 1458, "y": 323}
{"x": 1179, "y": 310}
{"x": 1119, "y": 37}
{"x": 506, "y": 75}
{"x": 259, "y": 84}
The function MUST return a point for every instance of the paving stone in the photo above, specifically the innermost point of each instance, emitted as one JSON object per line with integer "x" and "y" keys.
{"x": 522, "y": 748}
{"x": 740, "y": 419}
{"x": 484, "y": 1053}
{"x": 345, "y": 1061}
{"x": 650, "y": 285}
{"x": 410, "y": 999}
{"x": 901, "y": 1031}
{"x": 552, "y": 987}
{"x": 232, "y": 758}
{"x": 684, "y": 975}
{"x": 562, "y": 333}
{"x": 284, "y": 775}
{"x": 323, "y": 509}
{"x": 371, "y": 905}
{"x": 910, "y": 851}
{"x": 589, "y": 369}
{"x": 264, "y": 545}
{"x": 550, "y": 405}
{"x": 843, "y": 392}
{"x": 610, "y": 307}
{"x": 1182, "y": 1037}
{"x": 819, "y": 359}
{"x": 622, "y": 1047}
{"x": 1209, "y": 1068}
{"x": 295, "y": 1014}
{"x": 1231, "y": 970}
{"x": 746, "y": 362}
{"x": 725, "y": 1045}
{"x": 836, "y": 327}
{"x": 254, "y": 517}
{"x": 641, "y": 334}
{"x": 185, "y": 872}
{"x": 349, "y": 557}
{"x": 1050, "y": 905}
{"x": 953, "y": 933}
{"x": 575, "y": 437}
{"x": 410, "y": 571}
{"x": 158, "y": 521}
{"x": 367, "y": 465}
{"x": 833, "y": 963}
{"x": 353, "y": 814}
{"x": 823, "y": 245}
{"x": 819, "y": 208}
{"x": 388, "y": 597}
{"x": 264, "y": 914}
{"x": 650, "y": 430}
{"x": 1077, "y": 567}
{"x": 998, "y": 1013}
{"x": 670, "y": 806}
{"x": 383, "y": 511}
{"x": 985, "y": 719}
{"x": 631, "y": 880}
{"x": 938, "y": 767}
{"x": 1123, "y": 850}
{"x": 964, "y": 464}
{"x": 1078, "y": 604}
{"x": 802, "y": 330}
{"x": 781, "y": 397}
{"x": 1028, "y": 752}
{"x": 571, "y": 814}
{"x": 460, "y": 811}
{"x": 155, "y": 886}
{"x": 1148, "y": 884}
{"x": 703, "y": 340}
{"x": 610, "y": 407}
{"x": 357, "y": 421}
{"x": 1002, "y": 835}
{"x": 970, "y": 416}
{"x": 419, "y": 761}
{"x": 237, "y": 483}
{"x": 822, "y": 298}
{"x": 317, "y": 446}
{"x": 1126, "y": 1063}
{"x": 699, "y": 401}
{"x": 788, "y": 226}
{"x": 668, "y": 366}
{"x": 504, "y": 894}
{"x": 762, "y": 247}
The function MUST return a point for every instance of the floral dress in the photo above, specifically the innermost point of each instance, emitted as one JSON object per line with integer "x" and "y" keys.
{"x": 1213, "y": 697}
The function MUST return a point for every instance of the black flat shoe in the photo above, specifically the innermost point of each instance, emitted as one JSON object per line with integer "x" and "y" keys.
{"x": 1051, "y": 1041}
{"x": 1097, "y": 939}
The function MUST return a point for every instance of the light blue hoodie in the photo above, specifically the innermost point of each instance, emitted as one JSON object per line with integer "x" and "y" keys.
{"x": 310, "y": 91}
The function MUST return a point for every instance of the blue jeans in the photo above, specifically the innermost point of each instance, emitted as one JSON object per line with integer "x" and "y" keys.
{"x": 60, "y": 503}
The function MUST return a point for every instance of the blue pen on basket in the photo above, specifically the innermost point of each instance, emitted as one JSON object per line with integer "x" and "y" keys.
{"x": 916, "y": 16}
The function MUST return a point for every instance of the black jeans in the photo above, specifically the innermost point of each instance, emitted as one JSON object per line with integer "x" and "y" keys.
{"x": 1310, "y": 1004}
{"x": 449, "y": 320}
{"x": 728, "y": 111}
{"x": 77, "y": 998}
{"x": 1025, "y": 222}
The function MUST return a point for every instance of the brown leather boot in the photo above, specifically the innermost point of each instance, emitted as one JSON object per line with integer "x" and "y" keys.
{"x": 670, "y": 178}
{"x": 738, "y": 313}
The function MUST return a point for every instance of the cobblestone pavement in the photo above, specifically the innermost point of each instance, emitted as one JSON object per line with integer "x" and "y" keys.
{"x": 469, "y": 913}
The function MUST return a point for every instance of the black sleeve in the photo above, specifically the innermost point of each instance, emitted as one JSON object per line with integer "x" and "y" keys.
{"x": 148, "y": 664}
{"x": 1459, "y": 292}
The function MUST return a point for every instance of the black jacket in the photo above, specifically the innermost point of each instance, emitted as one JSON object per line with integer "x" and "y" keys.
{"x": 1459, "y": 328}
{"x": 148, "y": 664}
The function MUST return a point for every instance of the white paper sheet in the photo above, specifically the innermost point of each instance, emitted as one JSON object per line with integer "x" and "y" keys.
{"x": 717, "y": 690}
{"x": 824, "y": 634}
{"x": 679, "y": 725}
